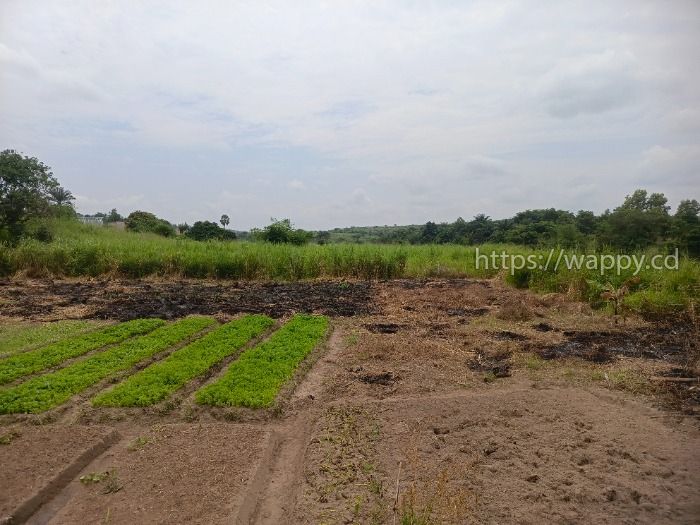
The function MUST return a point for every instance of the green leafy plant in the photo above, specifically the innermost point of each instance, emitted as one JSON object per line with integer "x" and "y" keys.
{"x": 256, "y": 377}
{"x": 46, "y": 391}
{"x": 27, "y": 363}
{"x": 159, "y": 380}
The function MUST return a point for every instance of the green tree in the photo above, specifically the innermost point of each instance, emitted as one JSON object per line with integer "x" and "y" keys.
{"x": 282, "y": 231}
{"x": 146, "y": 222}
{"x": 25, "y": 185}
{"x": 112, "y": 216}
{"x": 686, "y": 227}
{"x": 60, "y": 196}
{"x": 224, "y": 220}
{"x": 207, "y": 230}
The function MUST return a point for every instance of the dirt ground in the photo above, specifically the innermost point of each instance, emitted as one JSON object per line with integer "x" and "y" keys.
{"x": 436, "y": 401}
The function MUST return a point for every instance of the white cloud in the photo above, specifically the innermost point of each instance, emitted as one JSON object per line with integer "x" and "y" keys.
{"x": 416, "y": 111}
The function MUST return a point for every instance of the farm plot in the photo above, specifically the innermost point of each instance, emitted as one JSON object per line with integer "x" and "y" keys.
{"x": 158, "y": 381}
{"x": 23, "y": 364}
{"x": 17, "y": 337}
{"x": 47, "y": 391}
{"x": 256, "y": 377}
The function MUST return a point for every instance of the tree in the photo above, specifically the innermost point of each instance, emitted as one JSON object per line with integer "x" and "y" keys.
{"x": 641, "y": 220}
{"x": 145, "y": 222}
{"x": 224, "y": 220}
{"x": 60, "y": 196}
{"x": 207, "y": 230}
{"x": 112, "y": 216}
{"x": 282, "y": 231}
{"x": 25, "y": 183}
{"x": 686, "y": 227}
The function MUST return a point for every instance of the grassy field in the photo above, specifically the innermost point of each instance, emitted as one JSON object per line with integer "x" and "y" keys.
{"x": 254, "y": 379}
{"x": 80, "y": 250}
{"x": 158, "y": 381}
{"x": 43, "y": 392}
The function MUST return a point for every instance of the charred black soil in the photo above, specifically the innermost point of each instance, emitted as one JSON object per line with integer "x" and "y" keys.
{"x": 125, "y": 300}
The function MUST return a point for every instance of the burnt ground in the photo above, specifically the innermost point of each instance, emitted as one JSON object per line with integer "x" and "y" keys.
{"x": 434, "y": 401}
{"x": 124, "y": 300}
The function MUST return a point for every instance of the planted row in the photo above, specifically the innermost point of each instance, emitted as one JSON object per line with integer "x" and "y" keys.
{"x": 256, "y": 377}
{"x": 47, "y": 391}
{"x": 36, "y": 360}
{"x": 158, "y": 381}
{"x": 16, "y": 337}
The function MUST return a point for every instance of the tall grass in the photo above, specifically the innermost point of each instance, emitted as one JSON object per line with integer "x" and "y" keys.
{"x": 81, "y": 250}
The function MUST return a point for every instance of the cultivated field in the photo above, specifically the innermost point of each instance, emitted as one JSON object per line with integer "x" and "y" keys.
{"x": 401, "y": 401}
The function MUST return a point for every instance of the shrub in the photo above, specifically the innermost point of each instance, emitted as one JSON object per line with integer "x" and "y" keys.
{"x": 207, "y": 230}
{"x": 145, "y": 222}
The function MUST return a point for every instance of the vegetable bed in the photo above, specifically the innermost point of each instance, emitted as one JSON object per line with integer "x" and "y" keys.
{"x": 17, "y": 337}
{"x": 158, "y": 381}
{"x": 46, "y": 391}
{"x": 36, "y": 360}
{"x": 257, "y": 376}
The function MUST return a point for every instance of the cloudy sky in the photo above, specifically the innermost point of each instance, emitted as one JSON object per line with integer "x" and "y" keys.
{"x": 353, "y": 113}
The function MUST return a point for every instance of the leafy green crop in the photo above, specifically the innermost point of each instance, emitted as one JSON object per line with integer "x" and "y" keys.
{"x": 256, "y": 377}
{"x": 16, "y": 337}
{"x": 158, "y": 381}
{"x": 46, "y": 391}
{"x": 29, "y": 362}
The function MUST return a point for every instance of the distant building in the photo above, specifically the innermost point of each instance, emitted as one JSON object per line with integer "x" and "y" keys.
{"x": 90, "y": 219}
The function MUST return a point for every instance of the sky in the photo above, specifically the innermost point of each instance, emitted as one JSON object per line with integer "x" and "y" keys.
{"x": 353, "y": 113}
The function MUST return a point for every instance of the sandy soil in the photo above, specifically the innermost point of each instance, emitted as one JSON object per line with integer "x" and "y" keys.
{"x": 38, "y": 461}
{"x": 440, "y": 401}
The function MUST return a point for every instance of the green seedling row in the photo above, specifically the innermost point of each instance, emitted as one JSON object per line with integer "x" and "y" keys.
{"x": 16, "y": 337}
{"x": 47, "y": 391}
{"x": 255, "y": 379}
{"x": 36, "y": 360}
{"x": 158, "y": 381}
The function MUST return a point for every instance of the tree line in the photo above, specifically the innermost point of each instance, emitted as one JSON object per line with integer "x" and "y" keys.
{"x": 641, "y": 221}
{"x": 29, "y": 190}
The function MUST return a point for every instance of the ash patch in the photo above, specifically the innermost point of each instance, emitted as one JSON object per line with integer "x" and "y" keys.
{"x": 383, "y": 328}
{"x": 664, "y": 343}
{"x": 132, "y": 299}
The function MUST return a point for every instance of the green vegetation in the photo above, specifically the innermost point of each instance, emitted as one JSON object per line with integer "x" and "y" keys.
{"x": 28, "y": 189}
{"x": 207, "y": 231}
{"x": 158, "y": 381}
{"x": 282, "y": 232}
{"x": 643, "y": 220}
{"x": 145, "y": 222}
{"x": 256, "y": 377}
{"x": 16, "y": 337}
{"x": 33, "y": 361}
{"x": 82, "y": 250}
{"x": 43, "y": 392}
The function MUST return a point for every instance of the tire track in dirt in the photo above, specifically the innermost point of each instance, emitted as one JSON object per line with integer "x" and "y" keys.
{"x": 272, "y": 496}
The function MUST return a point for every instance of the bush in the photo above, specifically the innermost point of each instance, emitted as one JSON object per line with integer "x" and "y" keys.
{"x": 207, "y": 230}
{"x": 145, "y": 222}
{"x": 283, "y": 232}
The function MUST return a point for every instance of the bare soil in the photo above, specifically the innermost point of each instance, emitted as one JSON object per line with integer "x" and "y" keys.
{"x": 434, "y": 401}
